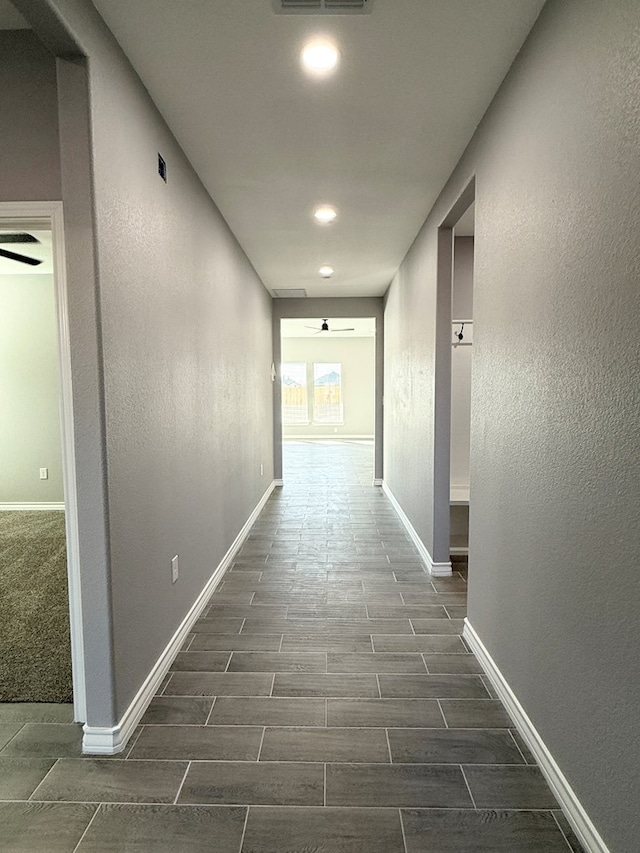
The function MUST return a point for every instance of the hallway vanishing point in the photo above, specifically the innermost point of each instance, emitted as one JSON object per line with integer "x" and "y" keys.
{"x": 325, "y": 702}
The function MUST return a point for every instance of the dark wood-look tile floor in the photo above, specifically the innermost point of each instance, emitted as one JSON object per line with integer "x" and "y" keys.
{"x": 325, "y": 700}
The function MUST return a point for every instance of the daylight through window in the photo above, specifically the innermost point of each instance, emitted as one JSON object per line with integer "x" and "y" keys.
{"x": 295, "y": 404}
{"x": 327, "y": 393}
{"x": 323, "y": 405}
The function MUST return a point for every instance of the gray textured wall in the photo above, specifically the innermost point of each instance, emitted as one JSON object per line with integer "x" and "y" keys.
{"x": 554, "y": 582}
{"x": 30, "y": 161}
{"x": 409, "y": 364}
{"x": 182, "y": 352}
{"x": 29, "y": 391}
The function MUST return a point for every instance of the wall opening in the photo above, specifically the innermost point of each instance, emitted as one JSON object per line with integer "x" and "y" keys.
{"x": 39, "y": 573}
{"x": 461, "y": 378}
{"x": 328, "y": 389}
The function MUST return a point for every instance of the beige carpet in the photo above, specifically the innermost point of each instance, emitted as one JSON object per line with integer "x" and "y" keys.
{"x": 35, "y": 648}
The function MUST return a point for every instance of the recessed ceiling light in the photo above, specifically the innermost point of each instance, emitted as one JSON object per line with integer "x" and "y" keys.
{"x": 325, "y": 214}
{"x": 326, "y": 271}
{"x": 319, "y": 57}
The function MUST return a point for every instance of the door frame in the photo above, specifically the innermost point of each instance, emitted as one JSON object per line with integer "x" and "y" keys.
{"x": 48, "y": 215}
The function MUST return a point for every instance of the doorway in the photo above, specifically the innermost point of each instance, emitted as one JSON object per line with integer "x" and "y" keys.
{"x": 452, "y": 380}
{"x": 461, "y": 377}
{"x": 42, "y": 623}
{"x": 328, "y": 392}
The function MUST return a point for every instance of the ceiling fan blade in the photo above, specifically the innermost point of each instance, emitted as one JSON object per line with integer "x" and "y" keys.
{"x": 23, "y": 259}
{"x": 343, "y": 330}
{"x": 313, "y": 327}
{"x": 18, "y": 238}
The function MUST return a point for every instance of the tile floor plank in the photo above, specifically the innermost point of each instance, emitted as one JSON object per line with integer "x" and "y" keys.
{"x": 164, "y": 829}
{"x": 112, "y": 780}
{"x": 254, "y": 783}
{"x": 307, "y": 830}
{"x": 453, "y": 831}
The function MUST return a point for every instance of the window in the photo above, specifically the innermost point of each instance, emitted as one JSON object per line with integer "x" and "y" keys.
{"x": 327, "y": 393}
{"x": 295, "y": 404}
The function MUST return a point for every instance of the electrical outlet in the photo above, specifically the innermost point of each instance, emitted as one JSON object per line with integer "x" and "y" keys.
{"x": 261, "y": 470}
{"x": 44, "y": 473}
{"x": 175, "y": 569}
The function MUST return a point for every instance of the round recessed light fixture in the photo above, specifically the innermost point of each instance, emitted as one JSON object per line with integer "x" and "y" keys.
{"x": 319, "y": 57}
{"x": 326, "y": 271}
{"x": 325, "y": 214}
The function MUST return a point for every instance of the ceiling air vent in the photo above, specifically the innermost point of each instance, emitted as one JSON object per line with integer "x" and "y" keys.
{"x": 322, "y": 7}
{"x": 289, "y": 292}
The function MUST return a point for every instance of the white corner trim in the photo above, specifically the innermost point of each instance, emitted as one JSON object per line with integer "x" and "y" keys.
{"x": 377, "y": 481}
{"x": 9, "y": 507}
{"x": 439, "y": 570}
{"x": 571, "y": 806}
{"x": 102, "y": 740}
{"x": 278, "y": 483}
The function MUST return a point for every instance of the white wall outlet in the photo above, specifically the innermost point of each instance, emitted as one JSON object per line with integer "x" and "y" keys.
{"x": 261, "y": 470}
{"x": 44, "y": 473}
{"x": 175, "y": 569}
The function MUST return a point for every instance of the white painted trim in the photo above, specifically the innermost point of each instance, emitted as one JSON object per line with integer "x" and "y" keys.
{"x": 278, "y": 483}
{"x": 377, "y": 481}
{"x": 28, "y": 507}
{"x": 50, "y": 213}
{"x": 440, "y": 570}
{"x": 461, "y": 551}
{"x": 103, "y": 740}
{"x": 571, "y": 806}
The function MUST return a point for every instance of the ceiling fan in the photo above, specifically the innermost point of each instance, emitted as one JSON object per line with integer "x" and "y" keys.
{"x": 325, "y": 328}
{"x": 14, "y": 256}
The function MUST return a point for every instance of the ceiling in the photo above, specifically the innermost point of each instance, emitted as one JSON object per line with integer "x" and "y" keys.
{"x": 378, "y": 138}
{"x": 359, "y": 327}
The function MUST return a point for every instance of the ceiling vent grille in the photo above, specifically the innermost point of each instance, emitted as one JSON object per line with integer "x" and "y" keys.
{"x": 289, "y": 292}
{"x": 322, "y": 7}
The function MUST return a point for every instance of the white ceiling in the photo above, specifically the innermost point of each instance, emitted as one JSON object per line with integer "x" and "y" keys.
{"x": 360, "y": 327}
{"x": 378, "y": 139}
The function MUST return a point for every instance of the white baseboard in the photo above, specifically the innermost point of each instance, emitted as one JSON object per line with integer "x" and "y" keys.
{"x": 278, "y": 483}
{"x": 31, "y": 506}
{"x": 101, "y": 740}
{"x": 576, "y": 815}
{"x": 377, "y": 481}
{"x": 440, "y": 570}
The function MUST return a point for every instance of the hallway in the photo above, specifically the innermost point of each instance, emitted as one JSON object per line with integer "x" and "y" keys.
{"x": 327, "y": 689}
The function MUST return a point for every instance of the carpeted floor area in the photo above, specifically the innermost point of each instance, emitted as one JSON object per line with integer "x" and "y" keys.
{"x": 35, "y": 647}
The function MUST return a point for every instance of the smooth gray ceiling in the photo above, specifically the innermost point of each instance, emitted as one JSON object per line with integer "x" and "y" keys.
{"x": 378, "y": 139}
